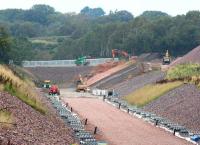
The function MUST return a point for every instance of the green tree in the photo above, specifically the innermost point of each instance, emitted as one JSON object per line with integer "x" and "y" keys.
{"x": 21, "y": 49}
{"x": 4, "y": 45}
{"x": 95, "y": 12}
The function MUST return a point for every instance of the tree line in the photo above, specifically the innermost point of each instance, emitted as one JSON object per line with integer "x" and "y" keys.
{"x": 93, "y": 33}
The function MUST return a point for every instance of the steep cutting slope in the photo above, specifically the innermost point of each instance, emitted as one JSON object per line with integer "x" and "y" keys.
{"x": 180, "y": 105}
{"x": 98, "y": 77}
{"x": 31, "y": 127}
{"x": 64, "y": 76}
{"x": 117, "y": 77}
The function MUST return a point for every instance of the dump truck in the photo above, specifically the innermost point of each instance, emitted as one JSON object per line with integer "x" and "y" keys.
{"x": 166, "y": 58}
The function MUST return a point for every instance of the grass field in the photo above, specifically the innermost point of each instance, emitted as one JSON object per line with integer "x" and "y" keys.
{"x": 150, "y": 92}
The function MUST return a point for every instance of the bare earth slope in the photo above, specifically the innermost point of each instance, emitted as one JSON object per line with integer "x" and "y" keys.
{"x": 181, "y": 105}
{"x": 64, "y": 76}
{"x": 127, "y": 87}
{"x": 118, "y": 77}
{"x": 33, "y": 128}
{"x": 118, "y": 127}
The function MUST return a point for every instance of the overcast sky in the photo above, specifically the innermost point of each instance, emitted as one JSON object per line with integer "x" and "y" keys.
{"x": 136, "y": 7}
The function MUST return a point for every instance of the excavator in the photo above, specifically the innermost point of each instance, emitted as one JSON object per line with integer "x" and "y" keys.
{"x": 81, "y": 85}
{"x": 166, "y": 58}
{"x": 120, "y": 53}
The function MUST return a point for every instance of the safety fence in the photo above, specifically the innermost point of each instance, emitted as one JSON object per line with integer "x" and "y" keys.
{"x": 64, "y": 63}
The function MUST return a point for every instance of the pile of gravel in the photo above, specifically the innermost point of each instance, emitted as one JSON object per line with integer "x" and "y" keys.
{"x": 181, "y": 105}
{"x": 31, "y": 126}
{"x": 193, "y": 56}
{"x": 128, "y": 86}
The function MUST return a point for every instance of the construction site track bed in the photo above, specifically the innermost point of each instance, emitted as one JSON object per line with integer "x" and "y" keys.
{"x": 120, "y": 128}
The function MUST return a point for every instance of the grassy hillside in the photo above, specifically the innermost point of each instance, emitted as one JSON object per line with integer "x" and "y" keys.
{"x": 23, "y": 89}
{"x": 149, "y": 93}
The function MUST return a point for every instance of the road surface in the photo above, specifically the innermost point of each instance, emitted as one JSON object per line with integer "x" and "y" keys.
{"x": 120, "y": 128}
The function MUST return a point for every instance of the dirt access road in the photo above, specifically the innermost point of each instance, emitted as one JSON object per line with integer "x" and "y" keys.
{"x": 118, "y": 127}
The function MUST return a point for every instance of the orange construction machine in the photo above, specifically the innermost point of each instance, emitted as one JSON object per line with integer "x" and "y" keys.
{"x": 120, "y": 54}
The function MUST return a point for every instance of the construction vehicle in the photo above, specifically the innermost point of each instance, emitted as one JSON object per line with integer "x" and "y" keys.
{"x": 120, "y": 54}
{"x": 166, "y": 58}
{"x": 81, "y": 84}
{"x": 82, "y": 61}
{"x": 47, "y": 84}
{"x": 53, "y": 90}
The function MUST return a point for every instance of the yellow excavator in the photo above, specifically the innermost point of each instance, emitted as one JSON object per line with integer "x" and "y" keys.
{"x": 81, "y": 84}
{"x": 166, "y": 58}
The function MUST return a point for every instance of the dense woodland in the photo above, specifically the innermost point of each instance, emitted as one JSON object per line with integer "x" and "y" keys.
{"x": 41, "y": 33}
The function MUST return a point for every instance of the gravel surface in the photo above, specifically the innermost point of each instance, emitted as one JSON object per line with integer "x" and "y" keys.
{"x": 118, "y": 127}
{"x": 193, "y": 56}
{"x": 128, "y": 86}
{"x": 181, "y": 105}
{"x": 64, "y": 76}
{"x": 33, "y": 128}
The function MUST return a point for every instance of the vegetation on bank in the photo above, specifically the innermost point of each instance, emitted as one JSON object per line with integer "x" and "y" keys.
{"x": 186, "y": 72}
{"x": 150, "y": 92}
{"x": 183, "y": 71}
{"x": 21, "y": 89}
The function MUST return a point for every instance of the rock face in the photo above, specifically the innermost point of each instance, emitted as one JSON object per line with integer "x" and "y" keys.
{"x": 181, "y": 105}
{"x": 31, "y": 126}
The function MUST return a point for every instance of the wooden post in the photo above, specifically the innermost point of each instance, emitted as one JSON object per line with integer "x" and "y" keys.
{"x": 104, "y": 97}
{"x": 86, "y": 121}
{"x": 95, "y": 130}
{"x": 174, "y": 131}
{"x": 156, "y": 123}
{"x": 119, "y": 105}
